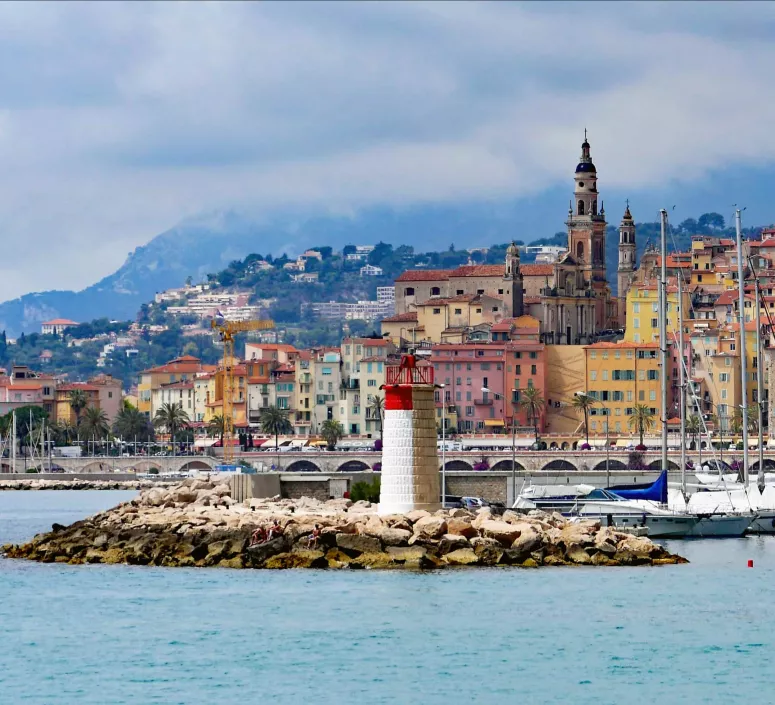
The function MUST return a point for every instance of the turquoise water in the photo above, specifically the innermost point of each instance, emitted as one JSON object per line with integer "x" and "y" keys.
{"x": 701, "y": 633}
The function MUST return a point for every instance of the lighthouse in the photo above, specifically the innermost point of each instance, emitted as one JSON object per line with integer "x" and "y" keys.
{"x": 410, "y": 459}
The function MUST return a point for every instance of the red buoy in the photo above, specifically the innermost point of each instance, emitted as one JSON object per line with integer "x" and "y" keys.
{"x": 750, "y": 563}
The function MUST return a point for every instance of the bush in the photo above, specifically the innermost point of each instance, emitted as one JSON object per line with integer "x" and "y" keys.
{"x": 153, "y": 471}
{"x": 377, "y": 467}
{"x": 640, "y": 447}
{"x": 635, "y": 461}
{"x": 365, "y": 491}
{"x": 585, "y": 446}
{"x": 378, "y": 445}
{"x": 35, "y": 470}
{"x": 482, "y": 465}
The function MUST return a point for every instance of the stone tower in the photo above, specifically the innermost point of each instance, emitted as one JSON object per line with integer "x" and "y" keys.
{"x": 514, "y": 282}
{"x": 626, "y": 261}
{"x": 410, "y": 457}
{"x": 586, "y": 234}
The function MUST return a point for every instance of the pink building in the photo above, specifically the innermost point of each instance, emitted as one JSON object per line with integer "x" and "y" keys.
{"x": 465, "y": 369}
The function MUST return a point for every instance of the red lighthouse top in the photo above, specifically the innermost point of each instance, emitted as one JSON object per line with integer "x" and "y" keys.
{"x": 407, "y": 372}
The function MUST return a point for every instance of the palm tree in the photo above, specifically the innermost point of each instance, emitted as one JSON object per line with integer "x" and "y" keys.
{"x": 63, "y": 432}
{"x": 377, "y": 405}
{"x": 332, "y": 431}
{"x": 584, "y": 402}
{"x": 532, "y": 401}
{"x": 275, "y": 421}
{"x": 130, "y": 422}
{"x": 78, "y": 402}
{"x": 94, "y": 424}
{"x": 217, "y": 427}
{"x": 737, "y": 421}
{"x": 641, "y": 421}
{"x": 171, "y": 417}
{"x": 694, "y": 429}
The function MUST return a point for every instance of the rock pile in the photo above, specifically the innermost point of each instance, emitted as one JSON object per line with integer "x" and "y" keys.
{"x": 197, "y": 523}
{"x": 64, "y": 484}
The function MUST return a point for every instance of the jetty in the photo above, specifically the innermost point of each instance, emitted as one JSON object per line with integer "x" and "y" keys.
{"x": 197, "y": 523}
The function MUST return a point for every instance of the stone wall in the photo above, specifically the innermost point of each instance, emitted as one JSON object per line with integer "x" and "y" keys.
{"x": 490, "y": 487}
{"x": 318, "y": 489}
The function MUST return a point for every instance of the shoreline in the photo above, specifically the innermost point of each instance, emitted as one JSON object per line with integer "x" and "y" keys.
{"x": 198, "y": 524}
{"x": 26, "y": 484}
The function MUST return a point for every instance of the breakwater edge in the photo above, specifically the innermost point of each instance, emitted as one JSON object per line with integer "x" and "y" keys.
{"x": 198, "y": 524}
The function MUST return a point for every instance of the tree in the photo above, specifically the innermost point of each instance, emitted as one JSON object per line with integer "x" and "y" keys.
{"x": 332, "y": 431}
{"x": 532, "y": 402}
{"x": 132, "y": 424}
{"x": 217, "y": 427}
{"x": 377, "y": 406}
{"x": 94, "y": 424}
{"x": 694, "y": 429}
{"x": 171, "y": 417}
{"x": 737, "y": 421}
{"x": 711, "y": 221}
{"x": 641, "y": 421}
{"x": 78, "y": 402}
{"x": 274, "y": 421}
{"x": 583, "y": 402}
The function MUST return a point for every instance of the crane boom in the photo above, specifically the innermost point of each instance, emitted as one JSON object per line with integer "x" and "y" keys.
{"x": 227, "y": 330}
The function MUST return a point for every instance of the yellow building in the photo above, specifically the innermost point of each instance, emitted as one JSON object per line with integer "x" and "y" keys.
{"x": 215, "y": 391}
{"x": 180, "y": 369}
{"x": 643, "y": 312}
{"x": 402, "y": 327}
{"x": 619, "y": 376}
{"x": 64, "y": 411}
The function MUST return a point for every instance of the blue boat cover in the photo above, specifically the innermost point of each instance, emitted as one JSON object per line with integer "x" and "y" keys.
{"x": 656, "y": 491}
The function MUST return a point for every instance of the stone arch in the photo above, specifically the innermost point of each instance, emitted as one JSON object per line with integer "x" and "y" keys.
{"x": 458, "y": 466}
{"x": 505, "y": 465}
{"x": 657, "y": 465}
{"x": 195, "y": 465}
{"x": 769, "y": 466}
{"x": 98, "y": 466}
{"x": 302, "y": 466}
{"x": 561, "y": 465}
{"x": 144, "y": 466}
{"x": 553, "y": 446}
{"x": 353, "y": 466}
{"x": 580, "y": 250}
{"x": 613, "y": 465}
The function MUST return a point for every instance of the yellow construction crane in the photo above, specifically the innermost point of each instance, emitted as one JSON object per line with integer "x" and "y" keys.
{"x": 227, "y": 331}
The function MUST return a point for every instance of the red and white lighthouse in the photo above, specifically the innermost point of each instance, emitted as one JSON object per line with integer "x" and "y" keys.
{"x": 410, "y": 460}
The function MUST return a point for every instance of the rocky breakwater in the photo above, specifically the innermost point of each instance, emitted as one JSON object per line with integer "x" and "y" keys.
{"x": 64, "y": 484}
{"x": 197, "y": 523}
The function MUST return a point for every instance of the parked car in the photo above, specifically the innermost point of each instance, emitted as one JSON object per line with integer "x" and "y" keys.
{"x": 452, "y": 502}
{"x": 473, "y": 503}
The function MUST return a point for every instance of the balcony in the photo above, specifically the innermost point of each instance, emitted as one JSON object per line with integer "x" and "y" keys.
{"x": 351, "y": 384}
{"x": 485, "y": 401}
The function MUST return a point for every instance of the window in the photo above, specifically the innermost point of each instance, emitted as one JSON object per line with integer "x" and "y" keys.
{"x": 617, "y": 355}
{"x": 636, "y": 323}
{"x": 468, "y": 396}
{"x": 500, "y": 291}
{"x": 653, "y": 375}
{"x": 478, "y": 310}
{"x": 723, "y": 393}
{"x": 518, "y": 369}
{"x": 592, "y": 354}
{"x": 47, "y": 391}
{"x": 655, "y": 308}
{"x": 436, "y": 311}
{"x": 371, "y": 383}
{"x": 533, "y": 355}
{"x": 593, "y": 375}
{"x": 468, "y": 382}
{"x": 458, "y": 396}
{"x": 723, "y": 377}
{"x": 652, "y": 395}
{"x": 533, "y": 369}
{"x": 654, "y": 322}
{"x": 517, "y": 356}
{"x": 699, "y": 277}
{"x": 435, "y": 291}
{"x": 469, "y": 411}
{"x": 641, "y": 395}
{"x": 458, "y": 311}
{"x": 458, "y": 381}
{"x": 485, "y": 366}
{"x": 460, "y": 292}
{"x": 409, "y": 291}
{"x": 326, "y": 370}
{"x": 636, "y": 308}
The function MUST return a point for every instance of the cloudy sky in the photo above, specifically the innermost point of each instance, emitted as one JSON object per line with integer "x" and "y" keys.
{"x": 119, "y": 120}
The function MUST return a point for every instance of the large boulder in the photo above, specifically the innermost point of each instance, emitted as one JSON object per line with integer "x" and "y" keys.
{"x": 355, "y": 544}
{"x": 406, "y": 553}
{"x": 576, "y": 554}
{"x": 503, "y": 533}
{"x": 432, "y": 527}
{"x": 482, "y": 515}
{"x": 415, "y": 515}
{"x": 528, "y": 540}
{"x": 373, "y": 560}
{"x": 262, "y": 551}
{"x": 183, "y": 495}
{"x": 452, "y": 542}
{"x": 461, "y": 527}
{"x": 394, "y": 537}
{"x": 580, "y": 533}
{"x": 462, "y": 556}
{"x": 297, "y": 559}
{"x": 641, "y": 546}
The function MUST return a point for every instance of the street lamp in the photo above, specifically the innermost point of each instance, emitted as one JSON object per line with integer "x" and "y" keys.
{"x": 443, "y": 447}
{"x": 513, "y": 443}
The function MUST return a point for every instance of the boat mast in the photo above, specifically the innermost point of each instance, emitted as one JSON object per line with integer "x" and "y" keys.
{"x": 13, "y": 444}
{"x": 663, "y": 331}
{"x": 759, "y": 381}
{"x": 743, "y": 360}
{"x": 681, "y": 380}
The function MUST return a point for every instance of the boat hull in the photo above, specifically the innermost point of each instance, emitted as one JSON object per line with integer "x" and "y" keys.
{"x": 764, "y": 523}
{"x": 721, "y": 526}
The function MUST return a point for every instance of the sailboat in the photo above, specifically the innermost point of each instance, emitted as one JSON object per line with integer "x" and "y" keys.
{"x": 718, "y": 514}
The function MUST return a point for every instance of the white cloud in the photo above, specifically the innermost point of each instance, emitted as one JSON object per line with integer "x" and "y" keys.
{"x": 118, "y": 120}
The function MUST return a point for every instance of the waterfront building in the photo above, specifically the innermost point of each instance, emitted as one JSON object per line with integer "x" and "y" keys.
{"x": 64, "y": 409}
{"x": 179, "y": 369}
{"x": 363, "y": 361}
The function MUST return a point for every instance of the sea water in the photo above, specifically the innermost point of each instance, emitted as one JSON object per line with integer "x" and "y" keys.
{"x": 697, "y": 633}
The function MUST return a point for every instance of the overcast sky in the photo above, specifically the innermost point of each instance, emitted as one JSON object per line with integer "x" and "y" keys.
{"x": 119, "y": 120}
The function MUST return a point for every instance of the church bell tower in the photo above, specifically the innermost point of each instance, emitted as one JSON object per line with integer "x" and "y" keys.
{"x": 514, "y": 280}
{"x": 626, "y": 260}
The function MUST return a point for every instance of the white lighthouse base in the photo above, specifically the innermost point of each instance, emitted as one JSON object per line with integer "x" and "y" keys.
{"x": 410, "y": 463}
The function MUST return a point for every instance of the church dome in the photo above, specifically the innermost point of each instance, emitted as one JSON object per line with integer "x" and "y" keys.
{"x": 585, "y": 167}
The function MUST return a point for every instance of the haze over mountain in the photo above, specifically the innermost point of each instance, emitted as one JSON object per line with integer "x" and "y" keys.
{"x": 359, "y": 121}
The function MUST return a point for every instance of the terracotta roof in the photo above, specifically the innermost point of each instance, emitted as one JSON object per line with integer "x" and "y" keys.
{"x": 536, "y": 270}
{"x": 73, "y": 386}
{"x": 408, "y": 317}
{"x": 366, "y": 341}
{"x": 178, "y": 385}
{"x": 424, "y": 275}
{"x": 479, "y": 270}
